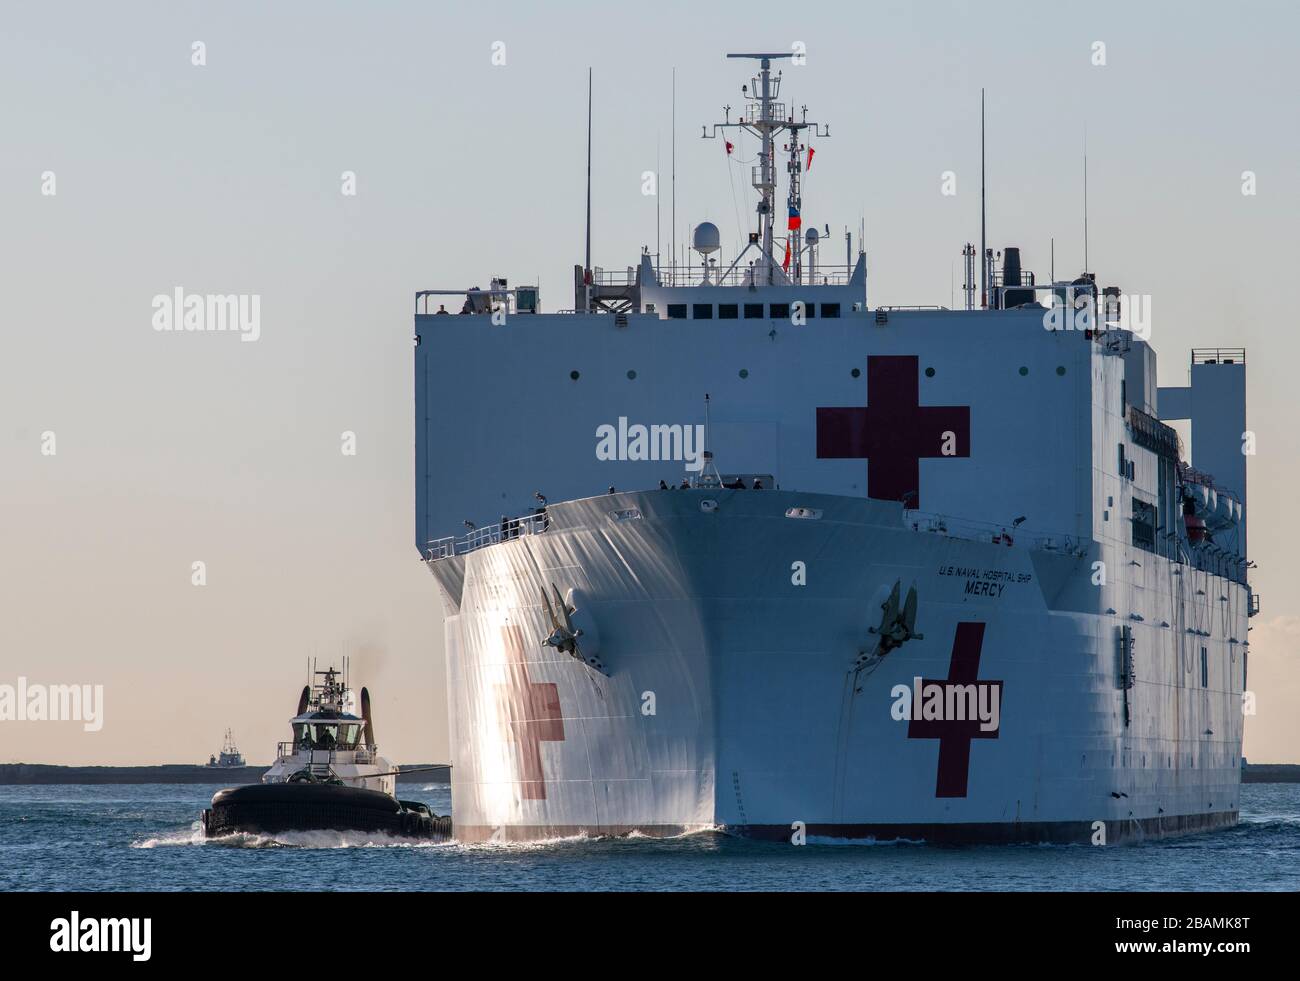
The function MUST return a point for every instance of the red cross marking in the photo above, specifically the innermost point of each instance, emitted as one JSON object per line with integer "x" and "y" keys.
{"x": 530, "y": 714}
{"x": 954, "y": 735}
{"x": 894, "y": 432}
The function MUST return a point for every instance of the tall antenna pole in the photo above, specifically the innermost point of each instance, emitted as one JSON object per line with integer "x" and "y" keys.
{"x": 1086, "y": 267}
{"x": 674, "y": 214}
{"x": 587, "y": 275}
{"x": 658, "y": 209}
{"x": 984, "y": 287}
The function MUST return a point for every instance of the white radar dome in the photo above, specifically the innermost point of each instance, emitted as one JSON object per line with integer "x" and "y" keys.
{"x": 706, "y": 238}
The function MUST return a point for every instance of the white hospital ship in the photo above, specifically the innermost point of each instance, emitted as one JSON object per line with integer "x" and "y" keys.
{"x": 725, "y": 546}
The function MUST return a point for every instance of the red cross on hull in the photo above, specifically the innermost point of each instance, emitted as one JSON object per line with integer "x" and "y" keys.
{"x": 530, "y": 715}
{"x": 894, "y": 432}
{"x": 955, "y": 735}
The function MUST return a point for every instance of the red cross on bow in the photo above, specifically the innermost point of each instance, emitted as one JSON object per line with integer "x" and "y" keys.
{"x": 954, "y": 735}
{"x": 530, "y": 715}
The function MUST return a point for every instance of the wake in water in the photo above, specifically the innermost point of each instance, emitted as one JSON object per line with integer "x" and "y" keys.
{"x": 287, "y": 839}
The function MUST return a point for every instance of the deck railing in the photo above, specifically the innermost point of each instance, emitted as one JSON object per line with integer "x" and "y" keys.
{"x": 503, "y": 530}
{"x": 990, "y": 532}
{"x": 693, "y": 275}
{"x": 324, "y": 757}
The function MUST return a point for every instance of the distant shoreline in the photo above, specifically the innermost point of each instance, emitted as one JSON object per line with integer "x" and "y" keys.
{"x": 30, "y": 774}
{"x": 1271, "y": 773}
{"x": 33, "y": 774}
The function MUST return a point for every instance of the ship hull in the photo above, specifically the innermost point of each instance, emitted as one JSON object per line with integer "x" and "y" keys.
{"x": 742, "y": 688}
{"x": 272, "y": 808}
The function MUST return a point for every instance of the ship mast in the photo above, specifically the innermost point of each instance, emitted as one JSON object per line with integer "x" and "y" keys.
{"x": 765, "y": 118}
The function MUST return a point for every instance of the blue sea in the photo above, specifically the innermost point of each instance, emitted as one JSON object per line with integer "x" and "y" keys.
{"x": 146, "y": 838}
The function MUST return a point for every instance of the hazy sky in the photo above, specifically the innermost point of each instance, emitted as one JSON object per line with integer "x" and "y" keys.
{"x": 227, "y": 177}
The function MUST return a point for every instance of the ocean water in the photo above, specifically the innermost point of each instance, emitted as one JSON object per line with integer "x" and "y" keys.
{"x": 147, "y": 838}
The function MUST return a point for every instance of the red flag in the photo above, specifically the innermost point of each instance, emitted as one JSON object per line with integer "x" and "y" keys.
{"x": 785, "y": 263}
{"x": 811, "y": 151}
{"x": 730, "y": 146}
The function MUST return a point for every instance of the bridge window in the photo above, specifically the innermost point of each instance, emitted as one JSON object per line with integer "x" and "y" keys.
{"x": 677, "y": 311}
{"x": 830, "y": 309}
{"x": 727, "y": 311}
{"x": 809, "y": 309}
{"x": 701, "y": 311}
{"x": 753, "y": 311}
{"x": 779, "y": 311}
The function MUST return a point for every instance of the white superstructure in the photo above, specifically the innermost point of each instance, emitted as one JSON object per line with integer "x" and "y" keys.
{"x": 331, "y": 744}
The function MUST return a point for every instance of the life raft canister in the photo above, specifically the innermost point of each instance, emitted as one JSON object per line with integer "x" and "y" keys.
{"x": 1195, "y": 526}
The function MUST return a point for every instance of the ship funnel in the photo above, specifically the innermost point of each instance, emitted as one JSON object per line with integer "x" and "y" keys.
{"x": 365, "y": 714}
{"x": 300, "y": 730}
{"x": 1013, "y": 276}
{"x": 1011, "y": 266}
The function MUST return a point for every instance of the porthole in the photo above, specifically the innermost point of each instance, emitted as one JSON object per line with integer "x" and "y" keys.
{"x": 744, "y": 372}
{"x": 573, "y": 375}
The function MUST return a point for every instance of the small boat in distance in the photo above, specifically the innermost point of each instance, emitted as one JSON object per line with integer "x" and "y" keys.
{"x": 230, "y": 756}
{"x": 330, "y": 777}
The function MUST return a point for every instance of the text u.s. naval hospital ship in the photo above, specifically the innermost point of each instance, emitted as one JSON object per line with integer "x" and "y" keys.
{"x": 801, "y": 566}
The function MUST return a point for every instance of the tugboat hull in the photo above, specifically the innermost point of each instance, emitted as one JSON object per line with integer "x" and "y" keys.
{"x": 277, "y": 807}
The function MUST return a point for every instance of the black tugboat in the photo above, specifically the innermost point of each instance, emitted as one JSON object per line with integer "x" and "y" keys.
{"x": 329, "y": 778}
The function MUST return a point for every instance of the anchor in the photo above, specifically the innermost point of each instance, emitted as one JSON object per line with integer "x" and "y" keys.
{"x": 897, "y": 627}
{"x": 565, "y": 632}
